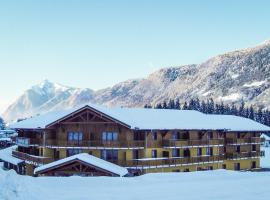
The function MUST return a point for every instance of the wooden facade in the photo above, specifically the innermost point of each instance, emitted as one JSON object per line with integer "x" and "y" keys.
{"x": 141, "y": 151}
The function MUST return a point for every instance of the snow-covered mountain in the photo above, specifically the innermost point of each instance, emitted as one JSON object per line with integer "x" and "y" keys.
{"x": 44, "y": 97}
{"x": 242, "y": 74}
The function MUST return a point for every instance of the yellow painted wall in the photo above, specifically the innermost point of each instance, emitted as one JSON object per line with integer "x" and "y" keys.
{"x": 182, "y": 168}
{"x": 244, "y": 164}
{"x": 48, "y": 152}
{"x": 29, "y": 169}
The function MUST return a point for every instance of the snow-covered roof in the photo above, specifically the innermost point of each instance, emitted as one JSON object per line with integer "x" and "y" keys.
{"x": 5, "y": 139}
{"x": 6, "y": 155}
{"x": 92, "y": 160}
{"x": 151, "y": 119}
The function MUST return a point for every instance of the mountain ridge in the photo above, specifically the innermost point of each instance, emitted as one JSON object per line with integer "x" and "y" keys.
{"x": 230, "y": 77}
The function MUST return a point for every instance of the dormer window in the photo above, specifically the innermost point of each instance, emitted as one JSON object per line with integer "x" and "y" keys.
{"x": 154, "y": 135}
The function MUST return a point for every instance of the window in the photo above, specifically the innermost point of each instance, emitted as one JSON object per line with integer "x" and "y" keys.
{"x": 154, "y": 135}
{"x": 209, "y": 151}
{"x": 238, "y": 149}
{"x": 210, "y": 135}
{"x": 237, "y": 166}
{"x": 166, "y": 154}
{"x": 138, "y": 136}
{"x": 154, "y": 153}
{"x": 238, "y": 135}
{"x": 109, "y": 154}
{"x": 200, "y": 135}
{"x": 175, "y": 153}
{"x": 75, "y": 136}
{"x": 186, "y": 153}
{"x": 185, "y": 136}
{"x": 72, "y": 152}
{"x": 199, "y": 151}
{"x": 175, "y": 135}
{"x": 254, "y": 147}
{"x": 136, "y": 154}
{"x": 109, "y": 136}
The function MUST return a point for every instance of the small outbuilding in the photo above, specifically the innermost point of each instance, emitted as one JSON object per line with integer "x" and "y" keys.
{"x": 81, "y": 164}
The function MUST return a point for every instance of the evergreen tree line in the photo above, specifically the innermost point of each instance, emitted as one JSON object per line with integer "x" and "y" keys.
{"x": 2, "y": 124}
{"x": 211, "y": 107}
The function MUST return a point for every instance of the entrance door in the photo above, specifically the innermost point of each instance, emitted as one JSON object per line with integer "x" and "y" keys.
{"x": 56, "y": 154}
{"x": 237, "y": 166}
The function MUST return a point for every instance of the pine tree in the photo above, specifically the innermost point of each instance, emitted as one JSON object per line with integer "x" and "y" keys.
{"x": 164, "y": 105}
{"x": 246, "y": 113}
{"x": 177, "y": 104}
{"x": 221, "y": 108}
{"x": 2, "y": 124}
{"x": 227, "y": 109}
{"x": 197, "y": 104}
{"x": 234, "y": 110}
{"x": 251, "y": 112}
{"x": 259, "y": 115}
{"x": 158, "y": 106}
{"x": 203, "y": 107}
{"x": 192, "y": 104}
{"x": 210, "y": 106}
{"x": 147, "y": 106}
{"x": 241, "y": 111}
{"x": 171, "y": 104}
{"x": 185, "y": 106}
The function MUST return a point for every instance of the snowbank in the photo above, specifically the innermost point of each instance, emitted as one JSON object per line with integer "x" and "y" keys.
{"x": 265, "y": 161}
{"x": 218, "y": 184}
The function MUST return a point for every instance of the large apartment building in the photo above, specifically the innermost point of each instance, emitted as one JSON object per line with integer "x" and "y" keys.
{"x": 139, "y": 140}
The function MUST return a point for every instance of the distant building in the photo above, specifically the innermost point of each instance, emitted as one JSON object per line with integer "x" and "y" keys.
{"x": 7, "y": 138}
{"x": 266, "y": 140}
{"x": 139, "y": 140}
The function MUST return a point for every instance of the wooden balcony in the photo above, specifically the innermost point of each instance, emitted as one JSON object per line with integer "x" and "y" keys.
{"x": 184, "y": 143}
{"x": 170, "y": 162}
{"x": 97, "y": 143}
{"x": 26, "y": 142}
{"x": 244, "y": 155}
{"x": 36, "y": 160}
{"x": 244, "y": 140}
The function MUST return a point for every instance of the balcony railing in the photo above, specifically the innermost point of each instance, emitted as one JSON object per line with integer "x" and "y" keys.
{"x": 97, "y": 143}
{"x": 244, "y": 155}
{"x": 36, "y": 160}
{"x": 183, "y": 143}
{"x": 153, "y": 163}
{"x": 26, "y": 142}
{"x": 244, "y": 140}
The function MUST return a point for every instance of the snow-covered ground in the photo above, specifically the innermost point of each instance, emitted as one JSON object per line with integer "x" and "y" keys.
{"x": 219, "y": 184}
{"x": 265, "y": 161}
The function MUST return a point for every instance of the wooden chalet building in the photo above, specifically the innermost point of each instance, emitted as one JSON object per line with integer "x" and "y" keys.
{"x": 139, "y": 140}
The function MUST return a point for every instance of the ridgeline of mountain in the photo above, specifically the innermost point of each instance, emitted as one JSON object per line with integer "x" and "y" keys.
{"x": 231, "y": 77}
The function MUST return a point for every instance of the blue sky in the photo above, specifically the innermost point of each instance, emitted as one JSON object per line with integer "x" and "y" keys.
{"x": 96, "y": 44}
